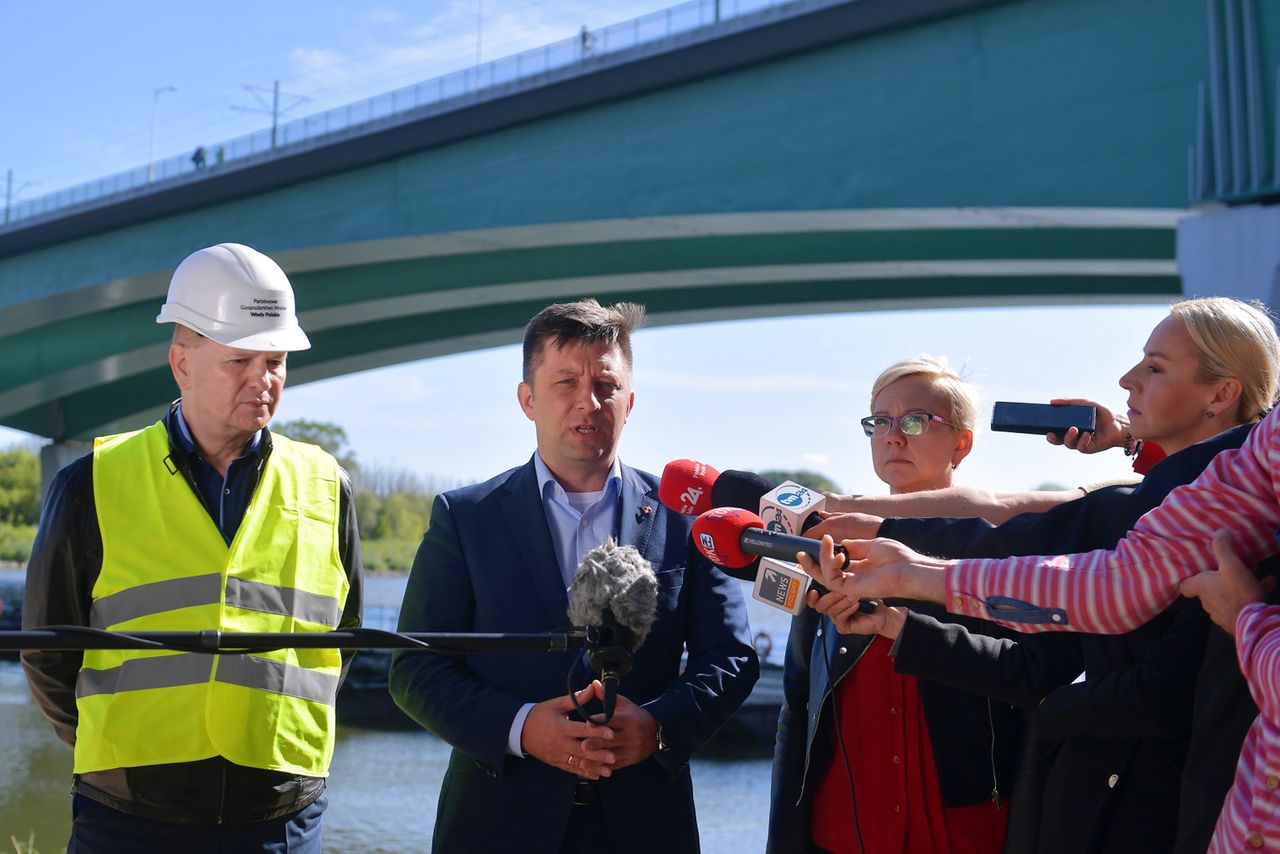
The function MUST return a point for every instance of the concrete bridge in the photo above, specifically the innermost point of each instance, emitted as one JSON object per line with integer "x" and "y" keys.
{"x": 812, "y": 156}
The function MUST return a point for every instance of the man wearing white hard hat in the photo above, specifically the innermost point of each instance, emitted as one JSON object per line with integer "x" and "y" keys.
{"x": 204, "y": 520}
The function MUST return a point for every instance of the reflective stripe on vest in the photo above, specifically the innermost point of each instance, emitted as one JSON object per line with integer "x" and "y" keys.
{"x": 174, "y": 593}
{"x": 192, "y": 668}
{"x": 165, "y": 567}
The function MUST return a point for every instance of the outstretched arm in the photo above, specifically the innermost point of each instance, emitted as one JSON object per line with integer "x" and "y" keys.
{"x": 953, "y": 502}
{"x": 1105, "y": 591}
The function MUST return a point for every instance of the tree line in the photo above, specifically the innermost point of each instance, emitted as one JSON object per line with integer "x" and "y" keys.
{"x": 393, "y": 506}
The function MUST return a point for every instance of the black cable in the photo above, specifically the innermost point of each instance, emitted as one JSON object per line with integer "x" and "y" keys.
{"x": 573, "y": 695}
{"x": 844, "y": 753}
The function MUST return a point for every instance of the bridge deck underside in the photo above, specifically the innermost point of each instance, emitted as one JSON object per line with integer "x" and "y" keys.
{"x": 105, "y": 369}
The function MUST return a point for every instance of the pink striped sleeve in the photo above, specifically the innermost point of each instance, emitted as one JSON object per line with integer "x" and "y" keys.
{"x": 1258, "y": 645}
{"x": 1111, "y": 592}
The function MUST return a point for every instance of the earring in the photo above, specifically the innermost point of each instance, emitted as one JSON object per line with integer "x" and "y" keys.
{"x": 1209, "y": 414}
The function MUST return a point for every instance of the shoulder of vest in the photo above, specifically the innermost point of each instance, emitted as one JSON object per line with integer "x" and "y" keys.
{"x": 102, "y": 443}
{"x": 317, "y": 454}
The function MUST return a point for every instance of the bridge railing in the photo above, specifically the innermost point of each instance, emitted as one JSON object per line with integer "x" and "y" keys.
{"x": 490, "y": 79}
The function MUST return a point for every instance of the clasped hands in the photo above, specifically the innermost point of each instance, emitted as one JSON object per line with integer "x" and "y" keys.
{"x": 591, "y": 751}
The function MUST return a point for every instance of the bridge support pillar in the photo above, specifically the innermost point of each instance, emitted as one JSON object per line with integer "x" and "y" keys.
{"x": 1232, "y": 252}
{"x": 56, "y": 455}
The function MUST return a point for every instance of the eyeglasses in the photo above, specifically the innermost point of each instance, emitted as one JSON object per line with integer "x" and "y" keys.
{"x": 911, "y": 425}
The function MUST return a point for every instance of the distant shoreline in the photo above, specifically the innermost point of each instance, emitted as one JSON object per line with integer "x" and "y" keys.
{"x": 368, "y": 573}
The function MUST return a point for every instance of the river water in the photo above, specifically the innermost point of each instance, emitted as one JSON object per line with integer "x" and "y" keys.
{"x": 383, "y": 785}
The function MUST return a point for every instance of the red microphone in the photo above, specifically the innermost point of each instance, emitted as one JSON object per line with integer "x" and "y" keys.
{"x": 731, "y": 538}
{"x": 686, "y": 486}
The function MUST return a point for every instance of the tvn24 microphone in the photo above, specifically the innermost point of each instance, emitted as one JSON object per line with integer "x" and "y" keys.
{"x": 686, "y": 487}
{"x": 616, "y": 592}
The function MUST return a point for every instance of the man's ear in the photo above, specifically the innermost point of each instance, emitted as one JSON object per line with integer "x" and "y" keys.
{"x": 524, "y": 394}
{"x": 179, "y": 358}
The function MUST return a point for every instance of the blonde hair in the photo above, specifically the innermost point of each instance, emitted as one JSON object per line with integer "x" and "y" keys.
{"x": 1235, "y": 339}
{"x": 962, "y": 397}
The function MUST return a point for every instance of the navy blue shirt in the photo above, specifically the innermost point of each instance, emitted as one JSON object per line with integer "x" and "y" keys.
{"x": 225, "y": 497}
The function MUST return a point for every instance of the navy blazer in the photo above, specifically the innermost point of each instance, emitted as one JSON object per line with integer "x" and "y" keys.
{"x": 487, "y": 564}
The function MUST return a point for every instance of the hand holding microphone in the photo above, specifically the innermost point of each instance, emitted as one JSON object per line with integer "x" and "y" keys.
{"x": 635, "y": 733}
{"x": 845, "y": 611}
{"x": 551, "y": 736}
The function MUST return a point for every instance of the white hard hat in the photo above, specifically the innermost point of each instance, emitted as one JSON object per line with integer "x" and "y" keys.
{"x": 236, "y": 296}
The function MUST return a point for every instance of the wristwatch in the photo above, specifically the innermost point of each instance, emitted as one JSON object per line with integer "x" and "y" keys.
{"x": 662, "y": 742}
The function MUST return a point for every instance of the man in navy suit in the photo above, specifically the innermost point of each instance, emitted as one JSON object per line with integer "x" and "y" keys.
{"x": 526, "y": 776}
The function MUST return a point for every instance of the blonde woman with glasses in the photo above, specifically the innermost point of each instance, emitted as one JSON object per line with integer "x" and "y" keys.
{"x": 868, "y": 760}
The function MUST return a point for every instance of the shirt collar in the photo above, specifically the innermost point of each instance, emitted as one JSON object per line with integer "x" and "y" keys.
{"x": 188, "y": 442}
{"x": 548, "y": 485}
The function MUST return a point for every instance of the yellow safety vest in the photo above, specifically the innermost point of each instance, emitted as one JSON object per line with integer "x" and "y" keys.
{"x": 166, "y": 567}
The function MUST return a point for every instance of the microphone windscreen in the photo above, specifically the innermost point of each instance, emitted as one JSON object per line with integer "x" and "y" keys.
{"x": 717, "y": 534}
{"x": 739, "y": 489}
{"x": 686, "y": 487}
{"x": 615, "y": 579}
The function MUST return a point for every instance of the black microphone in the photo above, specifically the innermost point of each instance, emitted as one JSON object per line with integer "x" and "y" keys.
{"x": 742, "y": 489}
{"x": 615, "y": 592}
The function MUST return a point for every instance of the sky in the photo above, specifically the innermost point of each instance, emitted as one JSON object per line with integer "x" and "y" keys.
{"x": 78, "y": 104}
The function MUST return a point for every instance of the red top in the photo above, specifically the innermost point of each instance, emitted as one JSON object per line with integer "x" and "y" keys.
{"x": 899, "y": 802}
{"x": 1148, "y": 455}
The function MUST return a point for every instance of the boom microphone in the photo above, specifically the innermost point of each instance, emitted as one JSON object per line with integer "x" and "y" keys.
{"x": 616, "y": 592}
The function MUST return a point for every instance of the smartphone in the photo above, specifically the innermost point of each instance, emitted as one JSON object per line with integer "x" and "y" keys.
{"x": 1042, "y": 418}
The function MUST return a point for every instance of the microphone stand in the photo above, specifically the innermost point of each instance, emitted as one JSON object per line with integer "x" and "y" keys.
{"x": 213, "y": 641}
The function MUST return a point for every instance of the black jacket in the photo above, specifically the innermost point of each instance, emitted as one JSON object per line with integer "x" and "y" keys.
{"x": 1107, "y": 752}
{"x": 975, "y": 740}
{"x": 65, "y": 562}
{"x": 1224, "y": 710}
